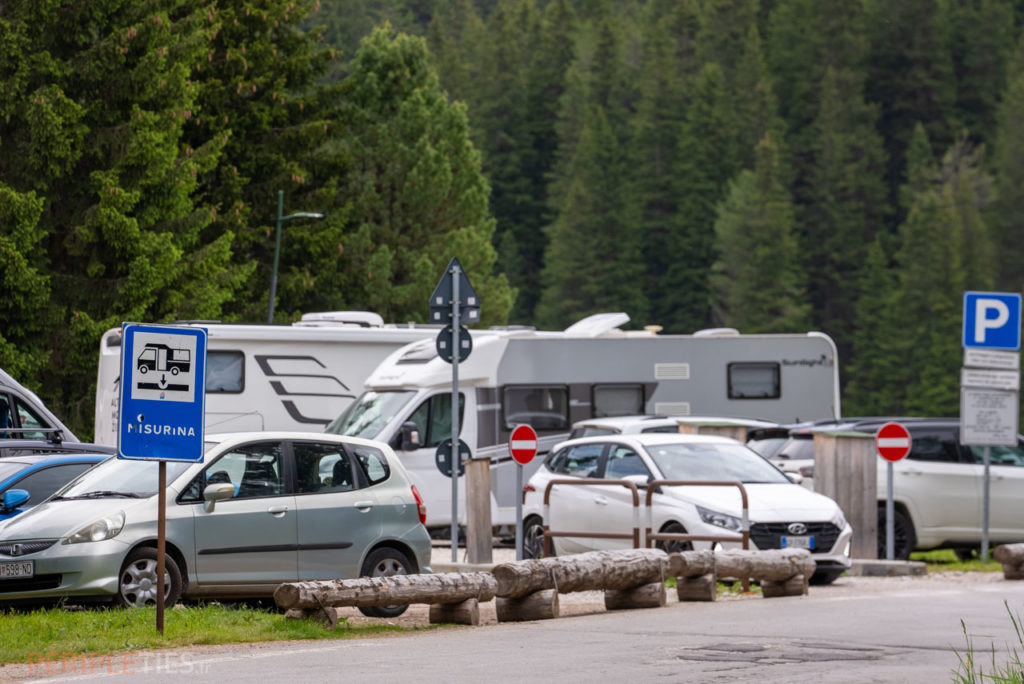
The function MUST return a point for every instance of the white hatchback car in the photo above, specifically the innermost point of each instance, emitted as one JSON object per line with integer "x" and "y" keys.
{"x": 780, "y": 514}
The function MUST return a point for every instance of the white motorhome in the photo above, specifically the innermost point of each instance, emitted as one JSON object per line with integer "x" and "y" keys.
{"x": 269, "y": 377}
{"x": 550, "y": 380}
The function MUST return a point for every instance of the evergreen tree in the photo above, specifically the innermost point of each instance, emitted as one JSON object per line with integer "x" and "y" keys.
{"x": 1006, "y": 219}
{"x": 416, "y": 191}
{"x": 95, "y": 99}
{"x": 757, "y": 280}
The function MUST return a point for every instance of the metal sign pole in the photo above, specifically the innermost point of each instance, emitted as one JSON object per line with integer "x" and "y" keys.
{"x": 984, "y": 504}
{"x": 519, "y": 511}
{"x": 890, "y": 512}
{"x": 455, "y": 413}
{"x": 161, "y": 537}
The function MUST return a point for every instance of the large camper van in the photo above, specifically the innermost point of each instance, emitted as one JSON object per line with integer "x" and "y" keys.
{"x": 550, "y": 380}
{"x": 268, "y": 377}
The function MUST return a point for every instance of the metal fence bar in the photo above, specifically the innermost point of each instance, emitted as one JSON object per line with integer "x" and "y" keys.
{"x": 548, "y": 534}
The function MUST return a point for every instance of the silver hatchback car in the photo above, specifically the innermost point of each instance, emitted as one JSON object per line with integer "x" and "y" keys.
{"x": 263, "y": 508}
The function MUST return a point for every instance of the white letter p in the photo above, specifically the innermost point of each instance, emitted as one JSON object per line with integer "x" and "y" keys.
{"x": 981, "y": 320}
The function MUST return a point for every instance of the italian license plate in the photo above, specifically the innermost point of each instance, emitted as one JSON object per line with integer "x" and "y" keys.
{"x": 12, "y": 569}
{"x": 798, "y": 542}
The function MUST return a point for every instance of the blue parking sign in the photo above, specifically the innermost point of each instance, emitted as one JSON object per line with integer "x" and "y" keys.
{"x": 992, "y": 320}
{"x": 163, "y": 388}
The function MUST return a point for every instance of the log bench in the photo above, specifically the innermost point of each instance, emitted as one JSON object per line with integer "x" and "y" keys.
{"x": 1012, "y": 558}
{"x": 781, "y": 572}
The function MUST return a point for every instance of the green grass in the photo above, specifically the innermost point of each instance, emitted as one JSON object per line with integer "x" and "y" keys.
{"x": 56, "y": 635}
{"x": 945, "y": 560}
{"x": 970, "y": 669}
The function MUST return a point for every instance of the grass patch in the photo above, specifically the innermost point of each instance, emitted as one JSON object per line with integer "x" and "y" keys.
{"x": 55, "y": 634}
{"x": 970, "y": 669}
{"x": 946, "y": 560}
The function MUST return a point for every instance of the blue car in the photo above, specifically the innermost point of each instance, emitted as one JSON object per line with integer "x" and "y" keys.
{"x": 31, "y": 479}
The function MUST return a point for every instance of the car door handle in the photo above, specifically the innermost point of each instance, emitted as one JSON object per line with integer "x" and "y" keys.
{"x": 601, "y": 501}
{"x": 277, "y": 511}
{"x": 363, "y": 505}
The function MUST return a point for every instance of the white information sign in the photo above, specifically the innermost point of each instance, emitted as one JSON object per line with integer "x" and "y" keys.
{"x": 987, "y": 358}
{"x": 988, "y": 417}
{"x": 980, "y": 378}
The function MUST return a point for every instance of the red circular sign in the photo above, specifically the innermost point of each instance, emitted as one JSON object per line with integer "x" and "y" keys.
{"x": 892, "y": 441}
{"x": 522, "y": 444}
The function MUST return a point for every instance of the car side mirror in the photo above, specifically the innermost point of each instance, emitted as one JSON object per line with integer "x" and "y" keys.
{"x": 14, "y": 498}
{"x": 410, "y": 436}
{"x": 217, "y": 492}
{"x": 639, "y": 480}
{"x": 795, "y": 478}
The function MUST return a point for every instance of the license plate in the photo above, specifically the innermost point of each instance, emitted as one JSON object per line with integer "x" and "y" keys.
{"x": 798, "y": 542}
{"x": 11, "y": 569}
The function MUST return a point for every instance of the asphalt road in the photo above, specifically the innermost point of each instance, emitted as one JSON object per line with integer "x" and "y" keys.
{"x": 859, "y": 630}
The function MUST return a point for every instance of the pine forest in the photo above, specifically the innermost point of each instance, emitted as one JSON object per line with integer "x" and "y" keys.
{"x": 847, "y": 166}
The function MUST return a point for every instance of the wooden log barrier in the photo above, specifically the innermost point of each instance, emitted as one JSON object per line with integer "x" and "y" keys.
{"x": 462, "y": 613}
{"x": 590, "y": 571}
{"x": 645, "y": 596}
{"x": 691, "y": 563}
{"x": 773, "y": 565}
{"x": 450, "y": 587}
{"x": 1012, "y": 558}
{"x": 538, "y": 605}
{"x": 794, "y": 586}
{"x": 699, "y": 588}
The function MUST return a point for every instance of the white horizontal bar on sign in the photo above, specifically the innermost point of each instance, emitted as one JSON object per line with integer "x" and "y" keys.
{"x": 988, "y": 358}
{"x": 893, "y": 442}
{"x": 524, "y": 444}
{"x": 990, "y": 379}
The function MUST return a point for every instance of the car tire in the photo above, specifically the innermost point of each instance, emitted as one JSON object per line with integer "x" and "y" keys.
{"x": 533, "y": 537}
{"x": 823, "y": 577}
{"x": 904, "y": 537}
{"x": 669, "y": 546}
{"x": 385, "y": 562}
{"x": 137, "y": 581}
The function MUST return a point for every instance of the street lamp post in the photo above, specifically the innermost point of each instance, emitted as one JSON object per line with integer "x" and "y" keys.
{"x": 277, "y": 247}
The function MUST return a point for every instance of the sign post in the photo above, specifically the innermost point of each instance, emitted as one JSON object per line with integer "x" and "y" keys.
{"x": 990, "y": 381}
{"x": 522, "y": 445}
{"x": 892, "y": 441}
{"x": 453, "y": 300}
{"x": 163, "y": 388}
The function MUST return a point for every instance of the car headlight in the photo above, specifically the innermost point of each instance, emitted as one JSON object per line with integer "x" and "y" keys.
{"x": 104, "y": 528}
{"x": 729, "y": 522}
{"x": 838, "y": 520}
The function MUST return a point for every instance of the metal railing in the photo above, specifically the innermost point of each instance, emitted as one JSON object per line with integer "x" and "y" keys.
{"x": 548, "y": 534}
{"x": 652, "y": 488}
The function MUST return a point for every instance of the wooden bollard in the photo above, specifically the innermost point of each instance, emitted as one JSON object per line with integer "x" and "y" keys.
{"x": 462, "y": 613}
{"x": 700, "y": 588}
{"x": 645, "y": 596}
{"x": 1012, "y": 558}
{"x": 794, "y": 586}
{"x": 326, "y": 616}
{"x": 540, "y": 605}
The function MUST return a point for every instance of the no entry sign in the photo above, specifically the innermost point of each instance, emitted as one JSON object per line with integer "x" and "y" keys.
{"x": 892, "y": 441}
{"x": 522, "y": 444}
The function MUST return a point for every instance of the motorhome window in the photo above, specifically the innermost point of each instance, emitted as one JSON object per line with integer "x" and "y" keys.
{"x": 29, "y": 419}
{"x": 225, "y": 372}
{"x": 433, "y": 419}
{"x": 618, "y": 400}
{"x": 542, "y": 408}
{"x": 367, "y": 415}
{"x": 754, "y": 381}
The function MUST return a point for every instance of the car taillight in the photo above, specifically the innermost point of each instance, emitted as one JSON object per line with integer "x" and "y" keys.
{"x": 421, "y": 507}
{"x": 528, "y": 488}
{"x": 807, "y": 471}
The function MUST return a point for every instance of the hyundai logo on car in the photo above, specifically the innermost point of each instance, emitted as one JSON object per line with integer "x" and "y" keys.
{"x": 797, "y": 528}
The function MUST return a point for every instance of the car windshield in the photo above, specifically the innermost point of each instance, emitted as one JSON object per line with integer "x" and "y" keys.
{"x": 796, "y": 448}
{"x": 368, "y": 414}
{"x": 120, "y": 478}
{"x": 768, "y": 446}
{"x": 710, "y": 461}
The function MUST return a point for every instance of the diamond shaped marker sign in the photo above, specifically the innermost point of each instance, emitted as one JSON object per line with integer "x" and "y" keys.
{"x": 441, "y": 299}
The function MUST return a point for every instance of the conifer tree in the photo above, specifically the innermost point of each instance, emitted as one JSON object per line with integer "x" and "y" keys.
{"x": 416, "y": 192}
{"x": 758, "y": 285}
{"x": 1006, "y": 218}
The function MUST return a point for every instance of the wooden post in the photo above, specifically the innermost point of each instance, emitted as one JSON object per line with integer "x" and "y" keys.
{"x": 479, "y": 540}
{"x": 462, "y": 613}
{"x": 645, "y": 596}
{"x": 794, "y": 586}
{"x": 540, "y": 605}
{"x": 697, "y": 588}
{"x": 845, "y": 469}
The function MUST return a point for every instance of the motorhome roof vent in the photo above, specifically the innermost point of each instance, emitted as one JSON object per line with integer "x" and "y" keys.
{"x": 717, "y": 332}
{"x": 598, "y": 324}
{"x": 422, "y": 351}
{"x": 363, "y": 319}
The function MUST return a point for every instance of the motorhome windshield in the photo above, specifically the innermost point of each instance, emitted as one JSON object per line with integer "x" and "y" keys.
{"x": 368, "y": 415}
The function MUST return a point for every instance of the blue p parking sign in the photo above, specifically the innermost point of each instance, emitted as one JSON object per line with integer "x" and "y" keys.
{"x": 992, "y": 320}
{"x": 163, "y": 387}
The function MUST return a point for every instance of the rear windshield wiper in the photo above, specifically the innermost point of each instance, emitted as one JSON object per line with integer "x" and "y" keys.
{"x": 100, "y": 495}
